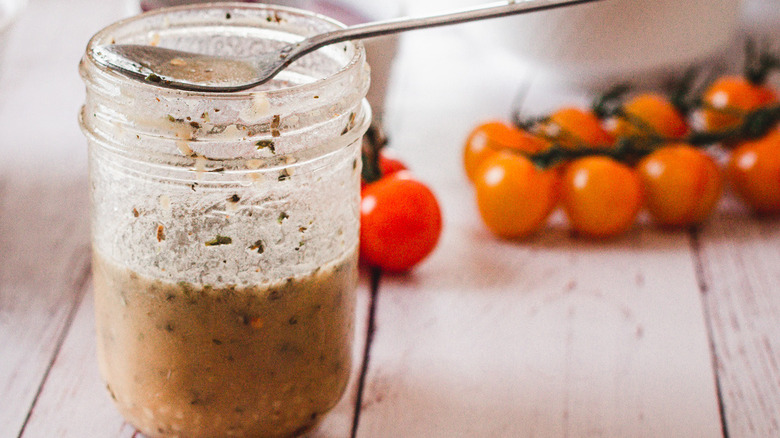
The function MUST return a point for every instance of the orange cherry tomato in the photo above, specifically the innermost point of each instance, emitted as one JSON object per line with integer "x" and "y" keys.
{"x": 513, "y": 196}
{"x": 754, "y": 172}
{"x": 601, "y": 197}
{"x": 400, "y": 222}
{"x": 490, "y": 137}
{"x": 575, "y": 128}
{"x": 682, "y": 185}
{"x": 651, "y": 114}
{"x": 729, "y": 98}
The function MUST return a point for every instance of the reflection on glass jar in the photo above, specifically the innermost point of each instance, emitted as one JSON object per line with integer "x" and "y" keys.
{"x": 225, "y": 229}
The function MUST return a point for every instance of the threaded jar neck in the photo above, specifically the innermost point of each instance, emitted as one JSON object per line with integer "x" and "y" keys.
{"x": 309, "y": 110}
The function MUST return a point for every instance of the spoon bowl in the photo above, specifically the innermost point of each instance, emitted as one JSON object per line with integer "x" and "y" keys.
{"x": 187, "y": 70}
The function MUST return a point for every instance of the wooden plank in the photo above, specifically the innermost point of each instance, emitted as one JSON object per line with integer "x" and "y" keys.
{"x": 555, "y": 336}
{"x": 740, "y": 260}
{"x": 74, "y": 402}
{"x": 45, "y": 261}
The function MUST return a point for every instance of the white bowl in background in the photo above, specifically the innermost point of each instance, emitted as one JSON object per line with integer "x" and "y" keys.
{"x": 617, "y": 40}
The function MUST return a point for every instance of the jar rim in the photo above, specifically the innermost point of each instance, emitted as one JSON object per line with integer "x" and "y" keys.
{"x": 104, "y": 36}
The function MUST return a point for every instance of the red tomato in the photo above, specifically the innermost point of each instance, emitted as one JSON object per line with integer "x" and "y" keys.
{"x": 400, "y": 222}
{"x": 389, "y": 163}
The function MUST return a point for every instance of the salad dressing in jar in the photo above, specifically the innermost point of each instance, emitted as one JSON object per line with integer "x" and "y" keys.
{"x": 225, "y": 228}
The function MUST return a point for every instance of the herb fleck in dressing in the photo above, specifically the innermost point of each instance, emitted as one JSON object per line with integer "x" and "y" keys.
{"x": 194, "y": 361}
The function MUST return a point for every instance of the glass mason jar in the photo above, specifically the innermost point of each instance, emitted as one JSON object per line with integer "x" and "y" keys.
{"x": 225, "y": 228}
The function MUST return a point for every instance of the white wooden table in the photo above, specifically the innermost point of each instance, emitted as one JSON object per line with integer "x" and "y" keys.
{"x": 656, "y": 334}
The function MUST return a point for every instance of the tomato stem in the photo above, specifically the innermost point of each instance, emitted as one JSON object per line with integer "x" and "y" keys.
{"x": 528, "y": 123}
{"x": 759, "y": 63}
{"x": 686, "y": 92}
{"x": 373, "y": 142}
{"x": 755, "y": 124}
{"x": 686, "y": 96}
{"x": 609, "y": 103}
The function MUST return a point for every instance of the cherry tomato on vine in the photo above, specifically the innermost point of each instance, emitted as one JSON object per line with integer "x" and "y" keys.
{"x": 729, "y": 98}
{"x": 389, "y": 163}
{"x": 513, "y": 196}
{"x": 601, "y": 196}
{"x": 754, "y": 172}
{"x": 400, "y": 222}
{"x": 651, "y": 114}
{"x": 490, "y": 137}
{"x": 682, "y": 185}
{"x": 575, "y": 128}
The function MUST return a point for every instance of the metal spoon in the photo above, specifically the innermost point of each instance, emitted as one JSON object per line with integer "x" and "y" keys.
{"x": 198, "y": 72}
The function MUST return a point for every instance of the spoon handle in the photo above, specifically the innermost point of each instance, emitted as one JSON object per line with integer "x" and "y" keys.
{"x": 490, "y": 10}
{"x": 154, "y": 63}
